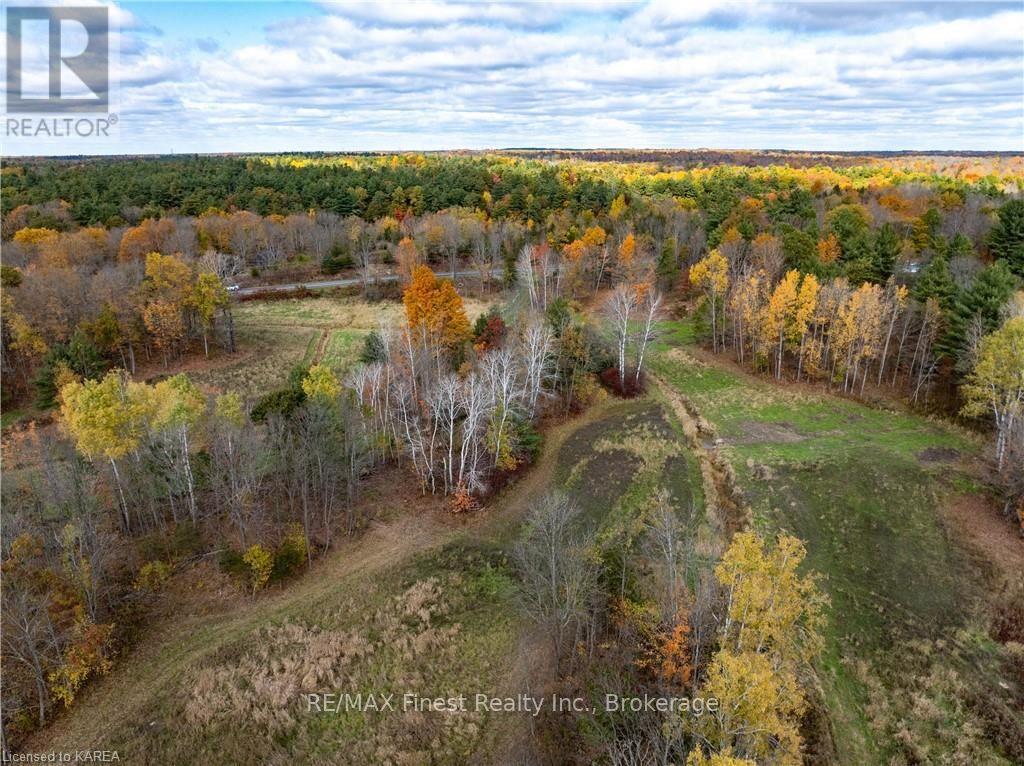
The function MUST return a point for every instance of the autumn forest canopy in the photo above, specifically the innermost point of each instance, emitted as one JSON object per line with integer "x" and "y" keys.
{"x": 743, "y": 426}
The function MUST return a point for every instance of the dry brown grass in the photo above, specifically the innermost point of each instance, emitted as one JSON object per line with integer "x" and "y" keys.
{"x": 409, "y": 641}
{"x": 335, "y": 312}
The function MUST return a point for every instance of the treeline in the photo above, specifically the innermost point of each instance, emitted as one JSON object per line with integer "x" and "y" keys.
{"x": 65, "y": 322}
{"x": 968, "y": 165}
{"x": 242, "y": 243}
{"x": 113, "y": 192}
{"x": 119, "y": 191}
{"x": 842, "y": 313}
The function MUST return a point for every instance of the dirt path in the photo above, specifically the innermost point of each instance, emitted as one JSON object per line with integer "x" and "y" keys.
{"x": 723, "y": 498}
{"x": 977, "y": 522}
{"x": 156, "y": 662}
{"x": 321, "y": 345}
{"x": 186, "y": 640}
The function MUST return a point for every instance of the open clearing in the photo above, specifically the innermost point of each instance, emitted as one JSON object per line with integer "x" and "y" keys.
{"x": 909, "y": 671}
{"x": 275, "y": 335}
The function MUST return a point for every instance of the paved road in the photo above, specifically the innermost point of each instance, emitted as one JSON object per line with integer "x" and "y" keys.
{"x": 348, "y": 282}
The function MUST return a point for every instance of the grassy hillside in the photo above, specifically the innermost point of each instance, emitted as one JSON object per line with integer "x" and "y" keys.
{"x": 909, "y": 672}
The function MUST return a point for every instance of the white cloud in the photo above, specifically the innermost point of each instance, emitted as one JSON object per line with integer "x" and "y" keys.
{"x": 437, "y": 75}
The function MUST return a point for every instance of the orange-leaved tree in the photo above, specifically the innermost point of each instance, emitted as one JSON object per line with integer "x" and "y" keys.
{"x": 434, "y": 310}
{"x": 407, "y": 257}
{"x": 828, "y": 249}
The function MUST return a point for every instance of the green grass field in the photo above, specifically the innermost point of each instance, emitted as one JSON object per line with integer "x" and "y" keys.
{"x": 274, "y": 336}
{"x": 906, "y": 645}
{"x": 615, "y": 467}
{"x": 265, "y": 355}
{"x": 343, "y": 348}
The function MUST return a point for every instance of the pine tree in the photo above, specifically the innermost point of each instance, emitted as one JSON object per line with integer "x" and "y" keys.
{"x": 926, "y": 230}
{"x": 982, "y": 305}
{"x": 960, "y": 247}
{"x": 1006, "y": 240}
{"x": 78, "y": 357}
{"x": 885, "y": 251}
{"x": 935, "y": 282}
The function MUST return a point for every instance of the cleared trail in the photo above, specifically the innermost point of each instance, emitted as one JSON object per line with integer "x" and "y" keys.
{"x": 170, "y": 649}
{"x": 722, "y": 495}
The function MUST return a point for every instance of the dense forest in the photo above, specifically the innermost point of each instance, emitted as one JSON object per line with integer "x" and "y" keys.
{"x": 892, "y": 281}
{"x": 77, "y": 235}
{"x": 119, "y": 191}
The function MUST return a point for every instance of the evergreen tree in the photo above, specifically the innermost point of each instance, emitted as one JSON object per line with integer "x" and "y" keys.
{"x": 78, "y": 357}
{"x": 982, "y": 303}
{"x": 668, "y": 264}
{"x": 935, "y": 282}
{"x": 1006, "y": 240}
{"x": 886, "y": 250}
{"x": 800, "y": 250}
{"x": 960, "y": 247}
{"x": 926, "y": 230}
{"x": 373, "y": 349}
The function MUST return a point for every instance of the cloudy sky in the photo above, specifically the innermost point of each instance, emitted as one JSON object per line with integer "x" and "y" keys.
{"x": 267, "y": 76}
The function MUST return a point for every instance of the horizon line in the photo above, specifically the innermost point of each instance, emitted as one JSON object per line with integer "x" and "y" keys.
{"x": 465, "y": 150}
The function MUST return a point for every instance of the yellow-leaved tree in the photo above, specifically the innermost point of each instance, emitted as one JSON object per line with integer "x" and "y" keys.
{"x": 261, "y": 564}
{"x": 36, "y": 238}
{"x": 746, "y": 304}
{"x": 858, "y": 333}
{"x": 770, "y": 634}
{"x": 996, "y": 386}
{"x": 177, "y": 410}
{"x": 697, "y": 758}
{"x": 773, "y": 608}
{"x": 106, "y": 418}
{"x": 711, "y": 275}
{"x": 166, "y": 288}
{"x": 207, "y": 295}
{"x": 618, "y": 208}
{"x": 579, "y": 255}
{"x": 321, "y": 384}
{"x": 778, "y": 315}
{"x": 803, "y": 316}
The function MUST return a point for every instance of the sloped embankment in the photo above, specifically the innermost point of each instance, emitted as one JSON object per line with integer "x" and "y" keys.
{"x": 909, "y": 671}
